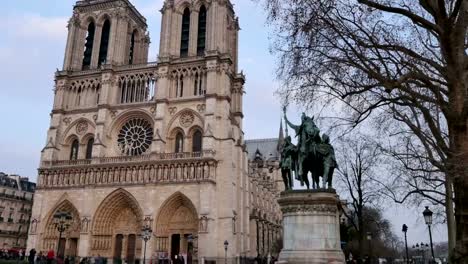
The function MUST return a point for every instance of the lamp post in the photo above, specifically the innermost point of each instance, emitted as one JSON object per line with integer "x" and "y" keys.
{"x": 369, "y": 239}
{"x": 405, "y": 229}
{"x": 145, "y": 235}
{"x": 226, "y": 244}
{"x": 428, "y": 219}
{"x": 62, "y": 221}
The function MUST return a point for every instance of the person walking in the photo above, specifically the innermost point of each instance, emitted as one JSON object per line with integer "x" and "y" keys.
{"x": 32, "y": 255}
{"x": 50, "y": 256}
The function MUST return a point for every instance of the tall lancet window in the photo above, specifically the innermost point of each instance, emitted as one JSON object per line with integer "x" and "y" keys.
{"x": 179, "y": 143}
{"x": 88, "y": 52}
{"x": 89, "y": 148}
{"x": 74, "y": 150}
{"x": 132, "y": 48}
{"x": 180, "y": 87}
{"x": 184, "y": 42}
{"x": 104, "y": 43}
{"x": 201, "y": 31}
{"x": 197, "y": 141}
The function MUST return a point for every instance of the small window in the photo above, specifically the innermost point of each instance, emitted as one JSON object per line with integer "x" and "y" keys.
{"x": 179, "y": 143}
{"x": 88, "y": 52}
{"x": 104, "y": 43}
{"x": 184, "y": 43}
{"x": 74, "y": 150}
{"x": 197, "y": 141}
{"x": 89, "y": 148}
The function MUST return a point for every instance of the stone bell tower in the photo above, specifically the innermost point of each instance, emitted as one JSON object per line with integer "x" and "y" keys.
{"x": 105, "y": 32}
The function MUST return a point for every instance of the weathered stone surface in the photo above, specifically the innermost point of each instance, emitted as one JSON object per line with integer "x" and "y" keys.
{"x": 311, "y": 230}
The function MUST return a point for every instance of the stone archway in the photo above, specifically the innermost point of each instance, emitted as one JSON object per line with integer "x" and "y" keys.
{"x": 116, "y": 226}
{"x": 70, "y": 238}
{"x": 176, "y": 228}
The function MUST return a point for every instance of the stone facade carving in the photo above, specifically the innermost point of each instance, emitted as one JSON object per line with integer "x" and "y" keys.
{"x": 203, "y": 224}
{"x": 309, "y": 208}
{"x": 82, "y": 127}
{"x": 186, "y": 119}
{"x": 85, "y": 221}
{"x": 33, "y": 228}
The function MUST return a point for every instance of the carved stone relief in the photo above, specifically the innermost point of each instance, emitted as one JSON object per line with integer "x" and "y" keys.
{"x": 81, "y": 127}
{"x": 186, "y": 119}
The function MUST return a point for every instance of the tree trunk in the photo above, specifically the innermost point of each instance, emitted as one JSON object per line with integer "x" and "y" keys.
{"x": 449, "y": 211}
{"x": 361, "y": 235}
{"x": 458, "y": 171}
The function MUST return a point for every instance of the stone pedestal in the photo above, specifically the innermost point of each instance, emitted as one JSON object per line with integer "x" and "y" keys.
{"x": 311, "y": 227}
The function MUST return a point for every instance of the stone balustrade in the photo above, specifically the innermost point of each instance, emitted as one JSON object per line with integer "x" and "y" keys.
{"x": 138, "y": 170}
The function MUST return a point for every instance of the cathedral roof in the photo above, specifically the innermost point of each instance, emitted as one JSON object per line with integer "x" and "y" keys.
{"x": 267, "y": 148}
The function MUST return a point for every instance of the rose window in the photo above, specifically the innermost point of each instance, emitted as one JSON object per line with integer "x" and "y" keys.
{"x": 135, "y": 137}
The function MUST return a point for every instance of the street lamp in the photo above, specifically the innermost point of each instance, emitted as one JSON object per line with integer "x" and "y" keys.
{"x": 428, "y": 219}
{"x": 226, "y": 244}
{"x": 62, "y": 221}
{"x": 369, "y": 238}
{"x": 145, "y": 235}
{"x": 405, "y": 229}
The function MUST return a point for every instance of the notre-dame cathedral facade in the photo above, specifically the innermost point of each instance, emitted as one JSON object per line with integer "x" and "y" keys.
{"x": 135, "y": 144}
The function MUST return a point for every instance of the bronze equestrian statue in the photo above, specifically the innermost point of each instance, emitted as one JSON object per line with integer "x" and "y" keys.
{"x": 288, "y": 162}
{"x": 313, "y": 154}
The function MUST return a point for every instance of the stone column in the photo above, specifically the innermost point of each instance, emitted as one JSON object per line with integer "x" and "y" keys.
{"x": 112, "y": 40}
{"x": 123, "y": 254}
{"x": 193, "y": 33}
{"x": 73, "y": 26}
{"x": 311, "y": 227}
{"x": 96, "y": 46}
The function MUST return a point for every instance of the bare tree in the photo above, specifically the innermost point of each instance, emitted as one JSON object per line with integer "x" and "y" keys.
{"x": 403, "y": 57}
{"x": 358, "y": 160}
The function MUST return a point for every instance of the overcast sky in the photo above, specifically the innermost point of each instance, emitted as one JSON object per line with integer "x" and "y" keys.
{"x": 32, "y": 44}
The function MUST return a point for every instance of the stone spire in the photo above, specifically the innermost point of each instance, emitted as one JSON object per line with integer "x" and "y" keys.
{"x": 280, "y": 137}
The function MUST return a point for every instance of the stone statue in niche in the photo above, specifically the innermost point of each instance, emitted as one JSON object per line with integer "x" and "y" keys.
{"x": 34, "y": 226}
{"x": 204, "y": 223}
{"x": 84, "y": 225}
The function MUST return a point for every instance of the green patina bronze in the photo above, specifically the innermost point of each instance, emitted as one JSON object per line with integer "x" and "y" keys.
{"x": 312, "y": 154}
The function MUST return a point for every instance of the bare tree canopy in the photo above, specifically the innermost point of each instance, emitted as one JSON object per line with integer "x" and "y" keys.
{"x": 405, "y": 58}
{"x": 359, "y": 160}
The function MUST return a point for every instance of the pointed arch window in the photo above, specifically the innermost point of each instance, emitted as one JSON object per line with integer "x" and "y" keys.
{"x": 104, "y": 43}
{"x": 88, "y": 52}
{"x": 74, "y": 150}
{"x": 180, "y": 87}
{"x": 195, "y": 84}
{"x": 179, "y": 143}
{"x": 201, "y": 40}
{"x": 197, "y": 141}
{"x": 89, "y": 148}
{"x": 184, "y": 42}
{"x": 132, "y": 48}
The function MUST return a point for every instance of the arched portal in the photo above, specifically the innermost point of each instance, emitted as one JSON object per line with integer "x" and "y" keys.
{"x": 117, "y": 223}
{"x": 177, "y": 228}
{"x": 69, "y": 238}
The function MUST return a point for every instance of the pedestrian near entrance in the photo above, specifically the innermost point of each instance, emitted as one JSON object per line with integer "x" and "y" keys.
{"x": 32, "y": 255}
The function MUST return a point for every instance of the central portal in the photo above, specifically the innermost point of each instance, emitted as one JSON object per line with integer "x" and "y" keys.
{"x": 177, "y": 221}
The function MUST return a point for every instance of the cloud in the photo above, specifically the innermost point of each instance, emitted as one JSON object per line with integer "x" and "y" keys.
{"x": 33, "y": 26}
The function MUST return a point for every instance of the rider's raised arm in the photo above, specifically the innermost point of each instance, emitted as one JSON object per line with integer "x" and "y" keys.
{"x": 290, "y": 124}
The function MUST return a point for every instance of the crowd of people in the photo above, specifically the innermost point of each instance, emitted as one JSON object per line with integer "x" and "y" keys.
{"x": 50, "y": 257}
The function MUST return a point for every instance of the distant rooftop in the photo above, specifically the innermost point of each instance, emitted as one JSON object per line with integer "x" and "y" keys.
{"x": 17, "y": 182}
{"x": 266, "y": 147}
